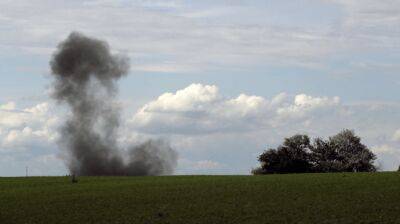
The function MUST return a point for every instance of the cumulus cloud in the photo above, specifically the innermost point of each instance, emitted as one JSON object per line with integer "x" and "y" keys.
{"x": 201, "y": 109}
{"x": 304, "y": 104}
{"x": 28, "y": 137}
{"x": 192, "y": 98}
{"x": 20, "y": 128}
{"x": 200, "y": 119}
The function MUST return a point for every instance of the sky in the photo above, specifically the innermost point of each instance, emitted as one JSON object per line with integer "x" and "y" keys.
{"x": 221, "y": 81}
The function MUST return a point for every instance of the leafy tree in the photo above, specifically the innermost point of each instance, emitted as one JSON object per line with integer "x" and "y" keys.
{"x": 350, "y": 154}
{"x": 324, "y": 157}
{"x": 291, "y": 157}
{"x": 270, "y": 162}
{"x": 342, "y": 152}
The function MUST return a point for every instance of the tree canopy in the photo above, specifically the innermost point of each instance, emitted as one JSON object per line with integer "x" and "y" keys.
{"x": 342, "y": 152}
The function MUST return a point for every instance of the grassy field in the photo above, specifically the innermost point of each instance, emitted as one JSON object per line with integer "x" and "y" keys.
{"x": 298, "y": 198}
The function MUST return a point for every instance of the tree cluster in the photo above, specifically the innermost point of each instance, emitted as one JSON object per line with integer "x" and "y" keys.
{"x": 342, "y": 152}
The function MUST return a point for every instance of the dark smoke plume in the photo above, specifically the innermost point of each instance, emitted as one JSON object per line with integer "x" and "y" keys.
{"x": 85, "y": 79}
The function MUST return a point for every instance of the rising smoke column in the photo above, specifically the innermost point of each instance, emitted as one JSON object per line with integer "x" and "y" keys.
{"x": 85, "y": 75}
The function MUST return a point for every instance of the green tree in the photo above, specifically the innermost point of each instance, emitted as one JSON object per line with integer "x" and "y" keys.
{"x": 324, "y": 157}
{"x": 342, "y": 152}
{"x": 290, "y": 157}
{"x": 350, "y": 154}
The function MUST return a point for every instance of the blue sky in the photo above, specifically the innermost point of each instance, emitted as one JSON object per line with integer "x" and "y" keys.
{"x": 220, "y": 80}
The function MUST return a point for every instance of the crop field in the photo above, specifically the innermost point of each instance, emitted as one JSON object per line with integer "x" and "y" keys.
{"x": 294, "y": 198}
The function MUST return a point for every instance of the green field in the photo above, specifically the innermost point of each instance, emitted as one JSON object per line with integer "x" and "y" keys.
{"x": 297, "y": 198}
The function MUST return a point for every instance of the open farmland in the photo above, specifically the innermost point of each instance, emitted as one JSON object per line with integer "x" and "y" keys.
{"x": 297, "y": 198}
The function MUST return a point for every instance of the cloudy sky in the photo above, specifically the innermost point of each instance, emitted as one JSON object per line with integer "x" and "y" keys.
{"x": 220, "y": 80}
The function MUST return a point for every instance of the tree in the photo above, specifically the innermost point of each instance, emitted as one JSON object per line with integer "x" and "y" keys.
{"x": 342, "y": 152}
{"x": 324, "y": 157}
{"x": 350, "y": 154}
{"x": 290, "y": 157}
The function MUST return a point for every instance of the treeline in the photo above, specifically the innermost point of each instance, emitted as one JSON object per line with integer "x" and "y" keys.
{"x": 342, "y": 152}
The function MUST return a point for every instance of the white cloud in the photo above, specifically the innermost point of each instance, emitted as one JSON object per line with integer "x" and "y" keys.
{"x": 384, "y": 149}
{"x": 7, "y": 106}
{"x": 200, "y": 109}
{"x": 21, "y": 128}
{"x": 185, "y": 38}
{"x": 396, "y": 135}
{"x": 303, "y": 104}
{"x": 388, "y": 156}
{"x": 28, "y": 137}
{"x": 191, "y": 98}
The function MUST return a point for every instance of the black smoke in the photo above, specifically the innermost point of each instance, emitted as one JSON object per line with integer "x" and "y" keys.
{"x": 86, "y": 73}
